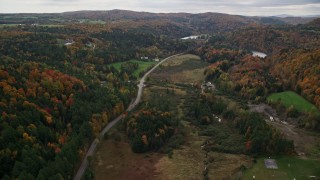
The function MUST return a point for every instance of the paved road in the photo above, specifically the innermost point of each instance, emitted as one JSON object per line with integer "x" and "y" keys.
{"x": 94, "y": 144}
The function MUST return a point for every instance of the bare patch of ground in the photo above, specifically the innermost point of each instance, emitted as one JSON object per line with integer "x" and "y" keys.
{"x": 176, "y": 61}
{"x": 115, "y": 160}
{"x": 187, "y": 162}
{"x": 226, "y": 166}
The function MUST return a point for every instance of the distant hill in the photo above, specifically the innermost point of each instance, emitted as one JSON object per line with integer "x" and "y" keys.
{"x": 315, "y": 22}
{"x": 171, "y": 24}
{"x": 297, "y": 20}
{"x": 200, "y": 23}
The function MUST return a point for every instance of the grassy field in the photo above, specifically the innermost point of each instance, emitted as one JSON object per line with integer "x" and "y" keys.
{"x": 143, "y": 65}
{"x": 288, "y": 168}
{"x": 115, "y": 160}
{"x": 187, "y": 68}
{"x": 290, "y": 98}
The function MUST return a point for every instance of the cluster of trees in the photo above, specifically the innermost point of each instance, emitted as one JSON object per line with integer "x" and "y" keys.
{"x": 238, "y": 73}
{"x": 211, "y": 54}
{"x": 149, "y": 129}
{"x": 257, "y": 135}
{"x": 129, "y": 67}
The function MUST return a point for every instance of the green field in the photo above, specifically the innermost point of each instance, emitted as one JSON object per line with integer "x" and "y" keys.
{"x": 290, "y": 98}
{"x": 288, "y": 168}
{"x": 143, "y": 65}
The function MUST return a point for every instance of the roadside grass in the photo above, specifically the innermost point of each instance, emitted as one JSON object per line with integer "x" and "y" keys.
{"x": 289, "y": 98}
{"x": 143, "y": 66}
{"x": 288, "y": 168}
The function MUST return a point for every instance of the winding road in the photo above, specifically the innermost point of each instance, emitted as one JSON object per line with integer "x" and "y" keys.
{"x": 94, "y": 144}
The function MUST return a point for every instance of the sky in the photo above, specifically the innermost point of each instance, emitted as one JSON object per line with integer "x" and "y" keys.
{"x": 240, "y": 7}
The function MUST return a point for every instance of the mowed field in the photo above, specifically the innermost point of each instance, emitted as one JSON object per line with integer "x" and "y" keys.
{"x": 186, "y": 68}
{"x": 288, "y": 168}
{"x": 290, "y": 98}
{"x": 143, "y": 66}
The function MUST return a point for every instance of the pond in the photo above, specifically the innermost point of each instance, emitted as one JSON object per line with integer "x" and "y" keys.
{"x": 259, "y": 54}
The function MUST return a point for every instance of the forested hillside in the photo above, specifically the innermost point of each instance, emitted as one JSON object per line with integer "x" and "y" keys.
{"x": 48, "y": 118}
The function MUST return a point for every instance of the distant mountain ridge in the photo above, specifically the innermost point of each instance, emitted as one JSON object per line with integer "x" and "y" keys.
{"x": 171, "y": 24}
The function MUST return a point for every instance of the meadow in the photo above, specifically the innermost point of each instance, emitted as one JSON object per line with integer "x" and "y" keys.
{"x": 289, "y": 98}
{"x": 143, "y": 66}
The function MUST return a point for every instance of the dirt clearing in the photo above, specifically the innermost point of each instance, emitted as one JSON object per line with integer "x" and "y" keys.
{"x": 115, "y": 160}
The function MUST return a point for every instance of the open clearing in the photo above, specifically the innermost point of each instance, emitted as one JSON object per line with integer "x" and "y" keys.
{"x": 290, "y": 98}
{"x": 143, "y": 66}
{"x": 187, "y": 162}
{"x": 289, "y": 168}
{"x": 115, "y": 160}
{"x": 181, "y": 69}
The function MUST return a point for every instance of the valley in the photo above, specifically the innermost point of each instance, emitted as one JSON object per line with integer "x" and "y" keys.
{"x": 135, "y": 95}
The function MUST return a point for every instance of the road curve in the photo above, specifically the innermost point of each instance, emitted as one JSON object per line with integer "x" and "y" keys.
{"x": 94, "y": 144}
